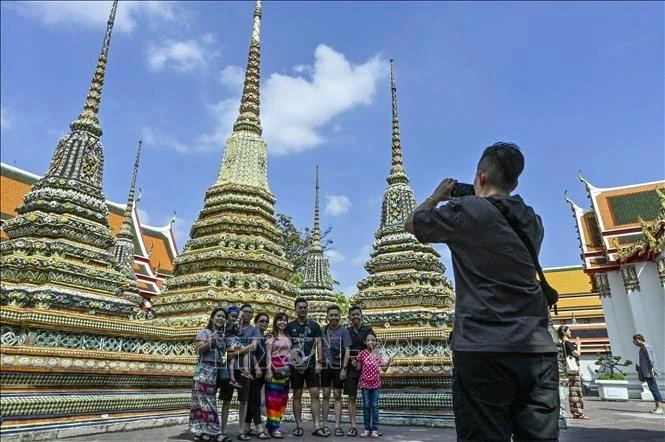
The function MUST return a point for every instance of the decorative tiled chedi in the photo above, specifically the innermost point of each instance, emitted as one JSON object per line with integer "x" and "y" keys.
{"x": 234, "y": 254}
{"x": 317, "y": 283}
{"x": 406, "y": 298}
{"x": 154, "y": 246}
{"x": 61, "y": 239}
{"x": 74, "y": 342}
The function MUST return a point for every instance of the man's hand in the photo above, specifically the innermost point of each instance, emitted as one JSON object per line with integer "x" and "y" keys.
{"x": 258, "y": 372}
{"x": 342, "y": 374}
{"x": 443, "y": 190}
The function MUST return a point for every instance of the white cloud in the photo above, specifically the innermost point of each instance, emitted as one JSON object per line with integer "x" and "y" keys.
{"x": 334, "y": 256}
{"x": 337, "y": 204}
{"x": 153, "y": 137}
{"x": 363, "y": 256}
{"x": 232, "y": 77}
{"x": 302, "y": 68}
{"x": 181, "y": 229}
{"x": 181, "y": 56}
{"x": 337, "y": 128}
{"x": 94, "y": 14}
{"x": 295, "y": 108}
{"x": 5, "y": 119}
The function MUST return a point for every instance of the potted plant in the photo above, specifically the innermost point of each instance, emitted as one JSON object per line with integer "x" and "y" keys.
{"x": 612, "y": 383}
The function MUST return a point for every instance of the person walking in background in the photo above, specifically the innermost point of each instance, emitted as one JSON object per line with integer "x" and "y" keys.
{"x": 648, "y": 370}
{"x": 211, "y": 347}
{"x": 358, "y": 332}
{"x": 575, "y": 399}
{"x": 278, "y": 374}
{"x": 258, "y": 364}
{"x": 371, "y": 363}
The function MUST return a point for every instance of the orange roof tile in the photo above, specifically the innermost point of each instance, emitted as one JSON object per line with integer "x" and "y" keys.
{"x": 161, "y": 255}
{"x": 12, "y": 192}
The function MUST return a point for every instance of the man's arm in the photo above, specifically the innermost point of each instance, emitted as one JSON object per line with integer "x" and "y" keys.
{"x": 441, "y": 193}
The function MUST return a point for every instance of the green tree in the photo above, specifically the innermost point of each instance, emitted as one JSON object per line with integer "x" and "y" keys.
{"x": 296, "y": 242}
{"x": 343, "y": 303}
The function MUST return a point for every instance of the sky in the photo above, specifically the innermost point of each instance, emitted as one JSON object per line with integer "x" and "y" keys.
{"x": 577, "y": 85}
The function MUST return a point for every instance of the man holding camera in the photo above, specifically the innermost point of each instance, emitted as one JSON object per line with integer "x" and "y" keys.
{"x": 505, "y": 378}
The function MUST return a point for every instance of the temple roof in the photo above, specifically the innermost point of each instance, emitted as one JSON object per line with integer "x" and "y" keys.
{"x": 154, "y": 248}
{"x": 617, "y": 222}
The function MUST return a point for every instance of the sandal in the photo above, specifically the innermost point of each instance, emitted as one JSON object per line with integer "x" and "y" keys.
{"x": 339, "y": 432}
{"x": 298, "y": 432}
{"x": 326, "y": 430}
{"x": 320, "y": 432}
{"x": 581, "y": 416}
{"x": 243, "y": 436}
{"x": 277, "y": 435}
{"x": 197, "y": 437}
{"x": 235, "y": 383}
{"x": 353, "y": 431}
{"x": 262, "y": 435}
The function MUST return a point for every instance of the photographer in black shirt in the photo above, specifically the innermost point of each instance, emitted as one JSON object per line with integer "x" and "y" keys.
{"x": 505, "y": 377}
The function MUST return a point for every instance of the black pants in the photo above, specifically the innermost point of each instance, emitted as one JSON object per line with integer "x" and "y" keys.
{"x": 496, "y": 395}
{"x": 254, "y": 401}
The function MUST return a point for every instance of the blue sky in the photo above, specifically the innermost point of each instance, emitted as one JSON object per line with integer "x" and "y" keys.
{"x": 576, "y": 85}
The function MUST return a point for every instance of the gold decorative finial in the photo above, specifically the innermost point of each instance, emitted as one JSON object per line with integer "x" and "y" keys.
{"x": 126, "y": 228}
{"x": 249, "y": 118}
{"x": 88, "y": 119}
{"x": 397, "y": 174}
{"x": 316, "y": 231}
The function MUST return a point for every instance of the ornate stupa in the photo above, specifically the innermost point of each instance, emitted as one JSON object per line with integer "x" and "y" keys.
{"x": 406, "y": 298}
{"x": 234, "y": 253}
{"x": 317, "y": 284}
{"x": 124, "y": 245}
{"x": 60, "y": 248}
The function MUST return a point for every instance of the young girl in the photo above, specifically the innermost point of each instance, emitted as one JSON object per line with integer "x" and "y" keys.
{"x": 371, "y": 363}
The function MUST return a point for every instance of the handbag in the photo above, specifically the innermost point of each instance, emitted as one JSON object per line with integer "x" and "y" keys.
{"x": 551, "y": 295}
{"x": 571, "y": 363}
{"x": 281, "y": 373}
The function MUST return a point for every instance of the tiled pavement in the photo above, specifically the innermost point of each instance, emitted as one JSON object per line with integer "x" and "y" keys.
{"x": 610, "y": 422}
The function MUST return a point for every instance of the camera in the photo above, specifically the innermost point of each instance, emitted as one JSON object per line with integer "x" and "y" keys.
{"x": 462, "y": 189}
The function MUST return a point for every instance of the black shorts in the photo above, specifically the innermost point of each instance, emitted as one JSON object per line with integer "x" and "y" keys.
{"x": 330, "y": 377}
{"x": 226, "y": 389}
{"x": 351, "y": 383}
{"x": 496, "y": 395}
{"x": 309, "y": 377}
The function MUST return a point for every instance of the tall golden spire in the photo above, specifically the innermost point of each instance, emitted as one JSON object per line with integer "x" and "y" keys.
{"x": 88, "y": 119}
{"x": 249, "y": 103}
{"x": 126, "y": 228}
{"x": 397, "y": 174}
{"x": 316, "y": 231}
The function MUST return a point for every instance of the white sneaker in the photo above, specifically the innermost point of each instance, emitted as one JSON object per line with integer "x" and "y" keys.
{"x": 657, "y": 411}
{"x": 364, "y": 433}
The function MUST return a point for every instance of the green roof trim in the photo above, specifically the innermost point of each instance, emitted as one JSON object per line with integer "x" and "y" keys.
{"x": 626, "y": 209}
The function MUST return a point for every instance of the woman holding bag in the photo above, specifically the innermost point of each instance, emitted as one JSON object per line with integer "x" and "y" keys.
{"x": 211, "y": 347}
{"x": 278, "y": 348}
{"x": 572, "y": 353}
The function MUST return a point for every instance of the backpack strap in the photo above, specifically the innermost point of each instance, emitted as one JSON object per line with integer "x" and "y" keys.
{"x": 550, "y": 293}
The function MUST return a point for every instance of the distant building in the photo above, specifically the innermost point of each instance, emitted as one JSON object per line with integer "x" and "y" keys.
{"x": 622, "y": 243}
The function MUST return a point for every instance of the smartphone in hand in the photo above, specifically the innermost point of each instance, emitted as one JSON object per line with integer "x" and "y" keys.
{"x": 462, "y": 189}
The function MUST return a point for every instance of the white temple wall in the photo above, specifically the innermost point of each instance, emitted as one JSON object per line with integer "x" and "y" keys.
{"x": 618, "y": 316}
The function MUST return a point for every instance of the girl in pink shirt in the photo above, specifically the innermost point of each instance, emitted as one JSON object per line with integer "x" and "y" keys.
{"x": 371, "y": 363}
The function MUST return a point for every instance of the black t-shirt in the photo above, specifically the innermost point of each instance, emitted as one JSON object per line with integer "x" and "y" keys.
{"x": 303, "y": 337}
{"x": 569, "y": 348}
{"x": 499, "y": 304}
{"x": 358, "y": 339}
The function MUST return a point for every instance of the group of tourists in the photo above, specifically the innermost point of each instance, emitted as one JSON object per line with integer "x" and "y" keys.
{"x": 260, "y": 362}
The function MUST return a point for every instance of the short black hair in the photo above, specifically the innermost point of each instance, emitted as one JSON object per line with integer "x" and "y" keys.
{"x": 334, "y": 307}
{"x": 639, "y": 336}
{"x": 503, "y": 163}
{"x": 299, "y": 300}
{"x": 355, "y": 307}
{"x": 246, "y": 305}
